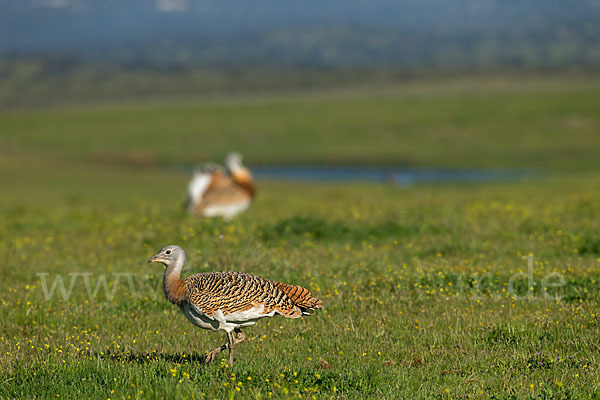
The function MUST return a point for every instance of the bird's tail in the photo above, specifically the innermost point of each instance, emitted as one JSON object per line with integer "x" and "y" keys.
{"x": 301, "y": 297}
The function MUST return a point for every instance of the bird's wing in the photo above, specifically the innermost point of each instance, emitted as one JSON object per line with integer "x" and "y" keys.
{"x": 301, "y": 297}
{"x": 243, "y": 177}
{"x": 220, "y": 201}
{"x": 235, "y": 296}
{"x": 213, "y": 187}
{"x": 227, "y": 194}
{"x": 219, "y": 180}
{"x": 206, "y": 178}
{"x": 198, "y": 185}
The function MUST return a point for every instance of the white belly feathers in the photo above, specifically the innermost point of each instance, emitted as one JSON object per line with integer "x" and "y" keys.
{"x": 226, "y": 210}
{"x": 225, "y": 322}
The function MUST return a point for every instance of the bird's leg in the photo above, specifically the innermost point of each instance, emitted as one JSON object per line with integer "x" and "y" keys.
{"x": 210, "y": 357}
{"x": 231, "y": 342}
{"x": 231, "y": 345}
{"x": 240, "y": 335}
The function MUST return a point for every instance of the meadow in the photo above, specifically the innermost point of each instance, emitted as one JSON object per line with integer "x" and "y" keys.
{"x": 428, "y": 290}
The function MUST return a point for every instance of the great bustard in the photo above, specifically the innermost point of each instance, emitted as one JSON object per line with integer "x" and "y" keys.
{"x": 229, "y": 300}
{"x": 213, "y": 192}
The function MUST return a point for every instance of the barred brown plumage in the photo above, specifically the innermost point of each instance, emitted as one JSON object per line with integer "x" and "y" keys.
{"x": 300, "y": 296}
{"x": 229, "y": 300}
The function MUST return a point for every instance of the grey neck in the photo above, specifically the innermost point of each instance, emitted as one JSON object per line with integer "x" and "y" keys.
{"x": 176, "y": 266}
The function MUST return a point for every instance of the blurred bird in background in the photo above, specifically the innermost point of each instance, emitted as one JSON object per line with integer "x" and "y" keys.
{"x": 215, "y": 191}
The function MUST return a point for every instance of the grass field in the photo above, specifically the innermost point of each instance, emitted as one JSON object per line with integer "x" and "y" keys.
{"x": 506, "y": 123}
{"x": 419, "y": 286}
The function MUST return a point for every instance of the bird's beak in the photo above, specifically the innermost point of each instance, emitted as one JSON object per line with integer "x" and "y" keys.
{"x": 154, "y": 259}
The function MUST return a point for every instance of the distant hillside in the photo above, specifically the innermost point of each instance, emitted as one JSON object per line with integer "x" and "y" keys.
{"x": 234, "y": 34}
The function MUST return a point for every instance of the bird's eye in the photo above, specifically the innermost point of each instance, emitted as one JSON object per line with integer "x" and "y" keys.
{"x": 168, "y": 252}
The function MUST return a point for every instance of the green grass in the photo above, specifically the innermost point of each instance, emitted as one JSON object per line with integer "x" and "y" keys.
{"x": 470, "y": 124}
{"x": 415, "y": 281}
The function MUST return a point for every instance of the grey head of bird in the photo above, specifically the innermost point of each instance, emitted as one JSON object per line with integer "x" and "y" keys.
{"x": 169, "y": 255}
{"x": 233, "y": 161}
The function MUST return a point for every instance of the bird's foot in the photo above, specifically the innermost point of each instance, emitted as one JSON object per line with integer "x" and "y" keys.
{"x": 210, "y": 357}
{"x": 240, "y": 337}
